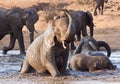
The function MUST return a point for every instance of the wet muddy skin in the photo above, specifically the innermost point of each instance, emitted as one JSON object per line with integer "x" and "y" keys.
{"x": 10, "y": 65}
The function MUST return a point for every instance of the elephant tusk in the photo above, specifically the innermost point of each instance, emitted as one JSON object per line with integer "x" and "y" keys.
{"x": 64, "y": 45}
{"x": 29, "y": 32}
{"x": 36, "y": 32}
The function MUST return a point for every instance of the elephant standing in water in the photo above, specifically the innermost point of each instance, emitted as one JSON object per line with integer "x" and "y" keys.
{"x": 100, "y": 6}
{"x": 88, "y": 46}
{"x": 49, "y": 52}
{"x": 12, "y": 22}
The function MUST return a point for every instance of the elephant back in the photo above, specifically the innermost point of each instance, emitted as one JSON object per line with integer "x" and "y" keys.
{"x": 14, "y": 10}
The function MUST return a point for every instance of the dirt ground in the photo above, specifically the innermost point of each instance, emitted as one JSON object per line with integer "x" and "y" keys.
{"x": 107, "y": 26}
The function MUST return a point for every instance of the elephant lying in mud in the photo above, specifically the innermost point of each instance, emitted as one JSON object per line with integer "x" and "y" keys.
{"x": 90, "y": 63}
{"x": 100, "y": 6}
{"x": 12, "y": 22}
{"x": 88, "y": 46}
{"x": 49, "y": 51}
{"x": 80, "y": 20}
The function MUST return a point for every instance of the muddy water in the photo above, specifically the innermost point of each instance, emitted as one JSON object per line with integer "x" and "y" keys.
{"x": 10, "y": 65}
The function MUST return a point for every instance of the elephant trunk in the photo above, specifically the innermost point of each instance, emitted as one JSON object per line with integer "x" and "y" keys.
{"x": 69, "y": 35}
{"x": 31, "y": 32}
{"x": 79, "y": 48}
{"x": 91, "y": 31}
{"x": 106, "y": 46}
{"x": 90, "y": 22}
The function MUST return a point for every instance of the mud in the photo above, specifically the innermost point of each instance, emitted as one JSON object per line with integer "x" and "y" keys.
{"x": 10, "y": 65}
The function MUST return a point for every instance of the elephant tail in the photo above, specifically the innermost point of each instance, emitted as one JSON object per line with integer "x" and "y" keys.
{"x": 106, "y": 46}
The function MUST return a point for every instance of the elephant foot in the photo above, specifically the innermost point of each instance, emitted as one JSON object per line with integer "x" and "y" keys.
{"x": 4, "y": 52}
{"x": 5, "y": 49}
{"x": 22, "y": 55}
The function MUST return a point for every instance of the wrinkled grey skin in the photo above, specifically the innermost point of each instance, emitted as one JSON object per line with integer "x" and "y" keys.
{"x": 88, "y": 46}
{"x": 81, "y": 20}
{"x": 49, "y": 51}
{"x": 12, "y": 22}
{"x": 90, "y": 63}
{"x": 99, "y": 6}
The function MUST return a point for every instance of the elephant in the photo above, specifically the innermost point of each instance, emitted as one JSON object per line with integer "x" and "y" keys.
{"x": 12, "y": 21}
{"x": 49, "y": 52}
{"x": 88, "y": 46}
{"x": 90, "y": 63}
{"x": 100, "y": 6}
{"x": 81, "y": 20}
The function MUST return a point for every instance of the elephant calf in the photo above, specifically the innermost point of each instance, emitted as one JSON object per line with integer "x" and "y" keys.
{"x": 49, "y": 52}
{"x": 90, "y": 63}
{"x": 100, "y": 6}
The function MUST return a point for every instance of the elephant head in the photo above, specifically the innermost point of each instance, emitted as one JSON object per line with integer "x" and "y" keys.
{"x": 88, "y": 43}
{"x": 27, "y": 17}
{"x": 63, "y": 27}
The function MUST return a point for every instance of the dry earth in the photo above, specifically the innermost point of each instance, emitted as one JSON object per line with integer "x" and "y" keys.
{"x": 107, "y": 26}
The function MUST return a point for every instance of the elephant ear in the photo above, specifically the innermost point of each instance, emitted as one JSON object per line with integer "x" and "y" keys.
{"x": 49, "y": 36}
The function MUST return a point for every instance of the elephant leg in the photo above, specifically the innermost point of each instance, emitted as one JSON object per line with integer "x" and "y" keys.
{"x": 25, "y": 67}
{"x": 78, "y": 35}
{"x": 64, "y": 64}
{"x": 52, "y": 68}
{"x": 72, "y": 45}
{"x": 84, "y": 30}
{"x": 95, "y": 10}
{"x": 19, "y": 36}
{"x": 11, "y": 45}
{"x": 102, "y": 9}
{"x": 99, "y": 10}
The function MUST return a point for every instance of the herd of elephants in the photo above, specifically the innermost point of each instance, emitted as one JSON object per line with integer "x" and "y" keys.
{"x": 49, "y": 52}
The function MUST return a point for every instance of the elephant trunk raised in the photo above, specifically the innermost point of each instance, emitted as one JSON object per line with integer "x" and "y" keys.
{"x": 71, "y": 30}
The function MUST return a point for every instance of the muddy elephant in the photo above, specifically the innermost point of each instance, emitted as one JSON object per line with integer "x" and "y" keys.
{"x": 81, "y": 20}
{"x": 12, "y": 21}
{"x": 90, "y": 63}
{"x": 49, "y": 51}
{"x": 88, "y": 46}
{"x": 99, "y": 6}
